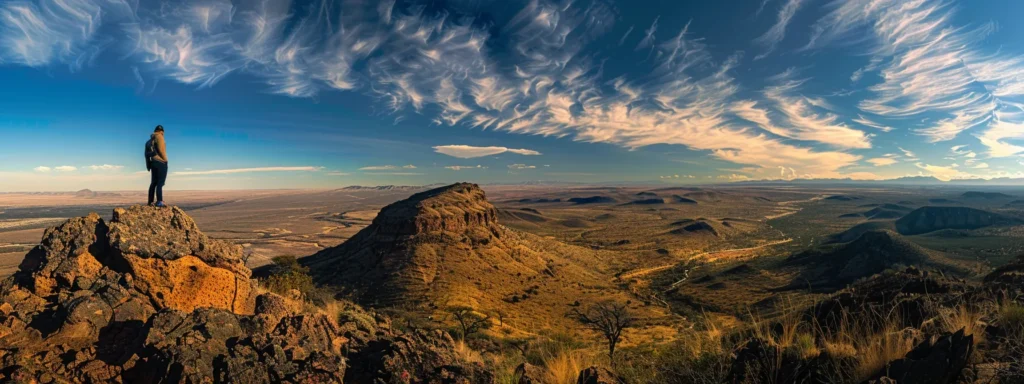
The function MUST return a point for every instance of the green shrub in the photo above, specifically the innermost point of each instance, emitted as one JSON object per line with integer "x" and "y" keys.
{"x": 1011, "y": 317}
{"x": 287, "y": 274}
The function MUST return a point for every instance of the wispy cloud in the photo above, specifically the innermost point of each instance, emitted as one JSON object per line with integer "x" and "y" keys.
{"x": 521, "y": 166}
{"x": 246, "y": 170}
{"x": 387, "y": 167}
{"x": 468, "y": 152}
{"x": 929, "y": 67}
{"x": 463, "y": 167}
{"x": 771, "y": 38}
{"x": 42, "y": 169}
{"x": 882, "y": 161}
{"x": 106, "y": 167}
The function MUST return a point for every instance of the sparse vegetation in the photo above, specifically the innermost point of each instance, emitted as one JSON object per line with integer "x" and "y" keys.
{"x": 469, "y": 320}
{"x": 287, "y": 274}
{"x": 609, "y": 319}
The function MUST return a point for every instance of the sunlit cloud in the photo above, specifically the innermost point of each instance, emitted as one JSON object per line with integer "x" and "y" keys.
{"x": 882, "y": 161}
{"x": 521, "y": 166}
{"x": 106, "y": 167}
{"x": 387, "y": 167}
{"x": 42, "y": 169}
{"x": 246, "y": 170}
{"x": 469, "y": 152}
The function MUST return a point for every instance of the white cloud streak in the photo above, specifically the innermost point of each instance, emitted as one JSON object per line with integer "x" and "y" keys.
{"x": 469, "y": 152}
{"x": 106, "y": 167}
{"x": 771, "y": 38}
{"x": 387, "y": 167}
{"x": 932, "y": 72}
{"x": 464, "y": 167}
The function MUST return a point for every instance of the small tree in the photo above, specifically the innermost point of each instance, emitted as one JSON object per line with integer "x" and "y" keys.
{"x": 470, "y": 321}
{"x": 609, "y": 319}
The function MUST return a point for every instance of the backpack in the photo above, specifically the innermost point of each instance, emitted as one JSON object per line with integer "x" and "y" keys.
{"x": 150, "y": 151}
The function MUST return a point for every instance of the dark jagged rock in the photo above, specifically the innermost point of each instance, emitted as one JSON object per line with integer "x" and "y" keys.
{"x": 758, "y": 361}
{"x": 915, "y": 294}
{"x": 597, "y": 375}
{"x": 941, "y": 362}
{"x": 529, "y": 374}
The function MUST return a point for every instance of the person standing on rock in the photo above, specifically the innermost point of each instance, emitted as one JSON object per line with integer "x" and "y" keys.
{"x": 156, "y": 164}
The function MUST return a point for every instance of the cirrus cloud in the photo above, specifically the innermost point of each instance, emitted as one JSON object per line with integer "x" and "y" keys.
{"x": 469, "y": 152}
{"x": 387, "y": 167}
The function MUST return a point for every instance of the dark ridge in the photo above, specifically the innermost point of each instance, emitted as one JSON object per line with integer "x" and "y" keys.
{"x": 857, "y": 230}
{"x": 647, "y": 194}
{"x": 985, "y": 195}
{"x": 592, "y": 200}
{"x": 696, "y": 228}
{"x": 647, "y": 202}
{"x": 842, "y": 198}
{"x": 682, "y": 200}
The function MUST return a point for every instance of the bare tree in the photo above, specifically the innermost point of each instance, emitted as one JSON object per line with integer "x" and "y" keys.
{"x": 609, "y": 319}
{"x": 469, "y": 320}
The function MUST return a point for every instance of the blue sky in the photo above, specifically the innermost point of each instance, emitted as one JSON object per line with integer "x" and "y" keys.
{"x": 276, "y": 94}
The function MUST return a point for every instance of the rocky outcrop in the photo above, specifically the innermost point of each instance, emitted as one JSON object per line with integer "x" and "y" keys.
{"x": 529, "y": 374}
{"x": 148, "y": 298}
{"x": 938, "y": 362}
{"x": 597, "y": 375}
{"x": 930, "y": 219}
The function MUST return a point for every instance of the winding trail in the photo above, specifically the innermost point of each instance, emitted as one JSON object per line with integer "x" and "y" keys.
{"x": 649, "y": 270}
{"x": 646, "y": 271}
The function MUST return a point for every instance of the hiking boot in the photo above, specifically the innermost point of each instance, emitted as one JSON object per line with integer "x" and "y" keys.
{"x": 161, "y": 204}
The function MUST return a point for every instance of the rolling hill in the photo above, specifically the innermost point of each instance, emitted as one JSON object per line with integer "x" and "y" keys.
{"x": 831, "y": 268}
{"x": 929, "y": 219}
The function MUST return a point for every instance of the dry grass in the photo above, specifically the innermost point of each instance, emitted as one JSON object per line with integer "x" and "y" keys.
{"x": 466, "y": 354}
{"x": 565, "y": 367}
{"x": 1011, "y": 317}
{"x": 966, "y": 317}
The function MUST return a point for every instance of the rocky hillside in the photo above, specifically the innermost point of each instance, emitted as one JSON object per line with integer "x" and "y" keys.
{"x": 833, "y": 267}
{"x": 148, "y": 298}
{"x": 929, "y": 219}
{"x": 444, "y": 248}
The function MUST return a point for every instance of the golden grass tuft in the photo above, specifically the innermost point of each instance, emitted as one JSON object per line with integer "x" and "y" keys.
{"x": 466, "y": 354}
{"x": 565, "y": 367}
{"x": 966, "y": 317}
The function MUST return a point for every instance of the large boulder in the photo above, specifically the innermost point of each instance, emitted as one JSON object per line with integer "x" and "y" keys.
{"x": 597, "y": 375}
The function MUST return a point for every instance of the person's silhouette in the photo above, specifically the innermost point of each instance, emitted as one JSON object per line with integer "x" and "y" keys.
{"x": 156, "y": 163}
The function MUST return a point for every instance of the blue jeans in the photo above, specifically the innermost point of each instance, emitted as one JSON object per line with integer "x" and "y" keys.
{"x": 158, "y": 176}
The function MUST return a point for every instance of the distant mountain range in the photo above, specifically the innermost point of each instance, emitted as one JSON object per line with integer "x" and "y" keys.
{"x": 909, "y": 180}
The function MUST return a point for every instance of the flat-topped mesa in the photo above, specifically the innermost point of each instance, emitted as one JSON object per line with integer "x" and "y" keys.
{"x": 454, "y": 208}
